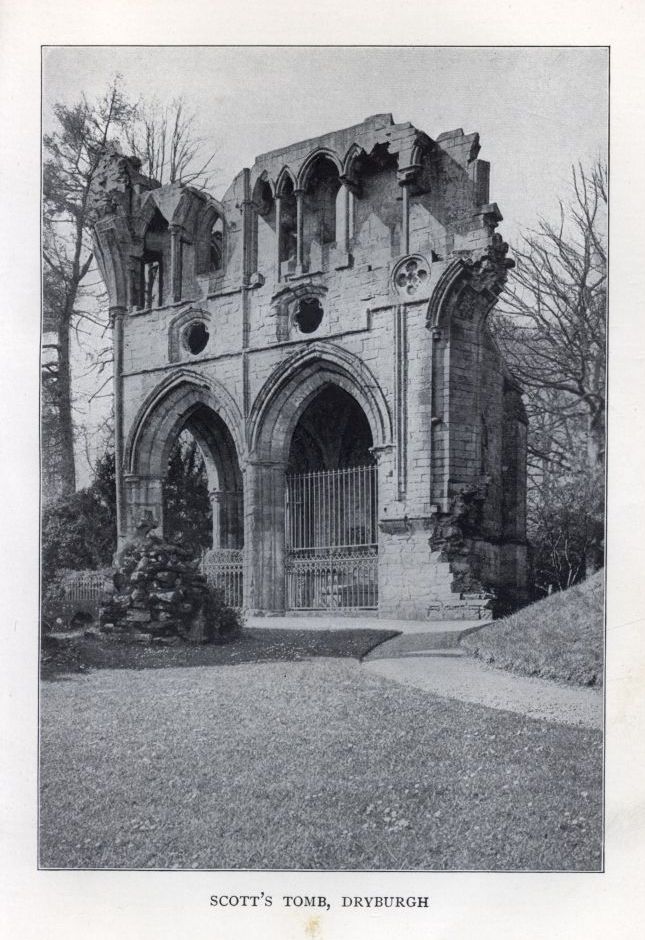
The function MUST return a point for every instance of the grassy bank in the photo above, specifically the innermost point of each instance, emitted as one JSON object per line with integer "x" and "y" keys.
{"x": 560, "y": 637}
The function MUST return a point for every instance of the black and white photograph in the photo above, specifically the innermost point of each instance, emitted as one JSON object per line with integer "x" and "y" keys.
{"x": 321, "y": 403}
{"x": 323, "y": 420}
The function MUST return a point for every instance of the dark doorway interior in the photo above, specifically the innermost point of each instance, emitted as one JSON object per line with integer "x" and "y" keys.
{"x": 332, "y": 433}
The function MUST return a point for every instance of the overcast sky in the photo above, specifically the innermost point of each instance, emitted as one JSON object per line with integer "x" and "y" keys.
{"x": 537, "y": 109}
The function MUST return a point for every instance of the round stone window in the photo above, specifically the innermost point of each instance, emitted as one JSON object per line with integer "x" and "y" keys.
{"x": 196, "y": 337}
{"x": 309, "y": 315}
{"x": 411, "y": 275}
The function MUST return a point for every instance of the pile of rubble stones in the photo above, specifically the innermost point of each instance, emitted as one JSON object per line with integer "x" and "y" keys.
{"x": 161, "y": 597}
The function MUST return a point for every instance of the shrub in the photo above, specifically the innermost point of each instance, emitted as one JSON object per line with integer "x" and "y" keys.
{"x": 222, "y": 621}
{"x": 79, "y": 532}
{"x": 52, "y": 605}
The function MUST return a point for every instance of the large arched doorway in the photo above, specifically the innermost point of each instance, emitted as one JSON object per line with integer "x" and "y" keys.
{"x": 331, "y": 510}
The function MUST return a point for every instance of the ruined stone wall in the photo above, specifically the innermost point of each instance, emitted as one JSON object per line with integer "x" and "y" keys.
{"x": 404, "y": 304}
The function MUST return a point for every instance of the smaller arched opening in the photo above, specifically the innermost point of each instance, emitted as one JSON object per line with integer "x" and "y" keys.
{"x": 323, "y": 210}
{"x": 288, "y": 229}
{"x": 184, "y": 446}
{"x": 155, "y": 261}
{"x": 263, "y": 246}
{"x": 206, "y": 245}
{"x": 208, "y": 457}
{"x": 203, "y": 498}
{"x": 377, "y": 209}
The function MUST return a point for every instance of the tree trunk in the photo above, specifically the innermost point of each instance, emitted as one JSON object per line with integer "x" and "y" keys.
{"x": 64, "y": 407}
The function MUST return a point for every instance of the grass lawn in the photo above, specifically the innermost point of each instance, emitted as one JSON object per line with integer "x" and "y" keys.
{"x": 560, "y": 637}
{"x": 312, "y": 764}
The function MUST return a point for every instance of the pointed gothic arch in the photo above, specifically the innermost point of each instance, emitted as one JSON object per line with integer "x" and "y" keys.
{"x": 295, "y": 383}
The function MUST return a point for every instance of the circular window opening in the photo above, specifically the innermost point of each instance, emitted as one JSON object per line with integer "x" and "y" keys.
{"x": 196, "y": 338}
{"x": 309, "y": 316}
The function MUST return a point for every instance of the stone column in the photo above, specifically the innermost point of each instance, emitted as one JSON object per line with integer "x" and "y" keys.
{"x": 278, "y": 233}
{"x": 264, "y": 485}
{"x": 300, "y": 223}
{"x": 215, "y": 497}
{"x": 405, "y": 228}
{"x": 249, "y": 262}
{"x": 136, "y": 290}
{"x": 346, "y": 232}
{"x": 406, "y": 180}
{"x": 175, "y": 262}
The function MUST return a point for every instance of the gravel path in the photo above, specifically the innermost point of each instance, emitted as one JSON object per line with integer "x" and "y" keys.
{"x": 457, "y": 677}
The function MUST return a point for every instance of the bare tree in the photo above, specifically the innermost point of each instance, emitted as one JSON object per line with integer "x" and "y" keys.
{"x": 165, "y": 139}
{"x": 552, "y": 328}
{"x": 72, "y": 154}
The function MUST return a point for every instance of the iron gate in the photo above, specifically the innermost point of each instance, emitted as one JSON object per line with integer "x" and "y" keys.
{"x": 332, "y": 539}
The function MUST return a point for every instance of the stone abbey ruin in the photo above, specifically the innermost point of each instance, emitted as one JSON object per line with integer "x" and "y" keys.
{"x": 322, "y": 333}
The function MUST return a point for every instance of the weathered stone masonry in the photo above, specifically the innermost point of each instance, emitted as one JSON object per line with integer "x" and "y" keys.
{"x": 353, "y": 272}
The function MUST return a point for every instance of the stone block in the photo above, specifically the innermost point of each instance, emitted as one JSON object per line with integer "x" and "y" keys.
{"x": 138, "y": 616}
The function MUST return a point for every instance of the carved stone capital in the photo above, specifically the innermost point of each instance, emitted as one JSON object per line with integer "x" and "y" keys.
{"x": 378, "y": 451}
{"x": 116, "y": 313}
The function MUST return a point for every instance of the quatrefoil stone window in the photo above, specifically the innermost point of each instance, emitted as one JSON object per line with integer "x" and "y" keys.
{"x": 410, "y": 275}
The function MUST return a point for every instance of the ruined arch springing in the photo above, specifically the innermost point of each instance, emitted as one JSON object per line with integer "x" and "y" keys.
{"x": 352, "y": 163}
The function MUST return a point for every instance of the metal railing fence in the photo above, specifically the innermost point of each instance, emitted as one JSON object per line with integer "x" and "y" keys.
{"x": 223, "y": 568}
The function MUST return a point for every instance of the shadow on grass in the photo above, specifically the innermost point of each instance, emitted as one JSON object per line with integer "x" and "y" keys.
{"x": 82, "y": 654}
